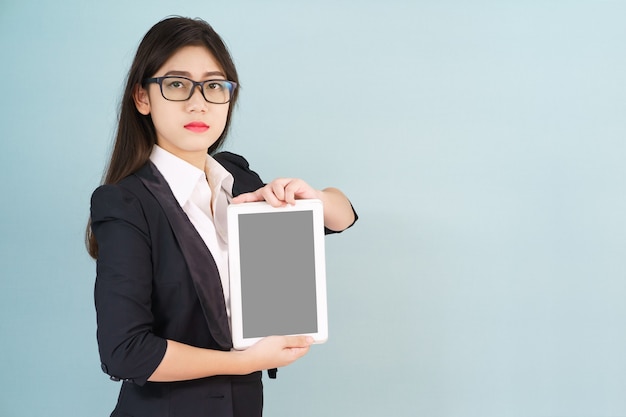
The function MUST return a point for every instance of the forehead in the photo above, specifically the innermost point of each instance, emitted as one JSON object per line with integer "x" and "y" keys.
{"x": 195, "y": 60}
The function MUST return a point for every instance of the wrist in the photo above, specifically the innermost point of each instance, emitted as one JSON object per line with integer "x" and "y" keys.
{"x": 243, "y": 362}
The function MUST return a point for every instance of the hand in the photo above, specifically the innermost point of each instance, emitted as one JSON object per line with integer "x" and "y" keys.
{"x": 280, "y": 192}
{"x": 277, "y": 351}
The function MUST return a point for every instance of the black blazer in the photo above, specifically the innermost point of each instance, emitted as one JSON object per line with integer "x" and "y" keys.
{"x": 157, "y": 280}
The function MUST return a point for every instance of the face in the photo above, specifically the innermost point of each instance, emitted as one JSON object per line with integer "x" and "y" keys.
{"x": 185, "y": 128}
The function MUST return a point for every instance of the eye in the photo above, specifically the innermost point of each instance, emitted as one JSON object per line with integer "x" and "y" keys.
{"x": 176, "y": 83}
{"x": 215, "y": 85}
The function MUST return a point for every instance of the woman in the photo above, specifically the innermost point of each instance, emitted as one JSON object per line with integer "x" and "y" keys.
{"x": 158, "y": 233}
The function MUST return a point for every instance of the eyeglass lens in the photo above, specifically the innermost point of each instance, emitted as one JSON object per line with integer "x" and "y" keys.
{"x": 180, "y": 89}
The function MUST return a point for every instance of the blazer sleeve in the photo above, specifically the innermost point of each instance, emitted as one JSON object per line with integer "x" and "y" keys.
{"x": 129, "y": 350}
{"x": 246, "y": 180}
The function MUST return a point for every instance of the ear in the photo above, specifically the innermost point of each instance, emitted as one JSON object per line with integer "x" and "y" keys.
{"x": 142, "y": 101}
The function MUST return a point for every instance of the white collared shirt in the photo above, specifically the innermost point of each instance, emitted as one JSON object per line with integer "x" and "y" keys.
{"x": 204, "y": 197}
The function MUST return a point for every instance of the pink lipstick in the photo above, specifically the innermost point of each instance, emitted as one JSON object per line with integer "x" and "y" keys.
{"x": 197, "y": 127}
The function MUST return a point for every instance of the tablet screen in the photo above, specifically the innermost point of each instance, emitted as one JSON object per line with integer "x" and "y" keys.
{"x": 277, "y": 262}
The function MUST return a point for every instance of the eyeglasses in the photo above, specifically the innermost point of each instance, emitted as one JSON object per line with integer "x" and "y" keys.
{"x": 174, "y": 88}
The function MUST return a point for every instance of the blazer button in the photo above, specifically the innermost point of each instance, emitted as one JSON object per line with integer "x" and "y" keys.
{"x": 106, "y": 371}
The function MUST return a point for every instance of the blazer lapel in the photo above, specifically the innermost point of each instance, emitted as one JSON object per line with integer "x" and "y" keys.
{"x": 202, "y": 267}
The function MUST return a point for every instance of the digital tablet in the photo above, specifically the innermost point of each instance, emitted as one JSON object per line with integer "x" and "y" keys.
{"x": 277, "y": 271}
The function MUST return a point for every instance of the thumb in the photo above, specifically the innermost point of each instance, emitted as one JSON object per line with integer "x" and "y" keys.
{"x": 298, "y": 341}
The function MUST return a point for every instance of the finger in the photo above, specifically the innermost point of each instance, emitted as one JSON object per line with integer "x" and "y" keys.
{"x": 297, "y": 352}
{"x": 246, "y": 198}
{"x": 289, "y": 193}
{"x": 302, "y": 190}
{"x": 271, "y": 198}
{"x": 278, "y": 188}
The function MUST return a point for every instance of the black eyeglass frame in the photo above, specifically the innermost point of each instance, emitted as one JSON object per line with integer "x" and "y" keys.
{"x": 159, "y": 80}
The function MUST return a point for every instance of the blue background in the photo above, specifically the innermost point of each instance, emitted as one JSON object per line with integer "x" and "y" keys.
{"x": 482, "y": 143}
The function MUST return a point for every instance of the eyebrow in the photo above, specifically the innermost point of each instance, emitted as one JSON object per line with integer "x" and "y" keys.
{"x": 188, "y": 75}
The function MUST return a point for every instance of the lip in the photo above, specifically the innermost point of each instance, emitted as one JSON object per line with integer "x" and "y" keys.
{"x": 197, "y": 127}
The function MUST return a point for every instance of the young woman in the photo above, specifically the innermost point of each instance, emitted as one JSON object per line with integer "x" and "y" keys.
{"x": 158, "y": 233}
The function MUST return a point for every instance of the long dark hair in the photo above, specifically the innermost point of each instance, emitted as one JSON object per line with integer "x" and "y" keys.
{"x": 136, "y": 134}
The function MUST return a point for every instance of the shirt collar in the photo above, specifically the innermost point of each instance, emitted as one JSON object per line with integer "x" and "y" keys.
{"x": 182, "y": 177}
{"x": 219, "y": 177}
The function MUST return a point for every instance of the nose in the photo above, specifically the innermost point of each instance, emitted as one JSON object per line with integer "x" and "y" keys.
{"x": 197, "y": 102}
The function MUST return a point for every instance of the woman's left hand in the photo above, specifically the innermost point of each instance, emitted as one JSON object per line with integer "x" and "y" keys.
{"x": 338, "y": 212}
{"x": 280, "y": 192}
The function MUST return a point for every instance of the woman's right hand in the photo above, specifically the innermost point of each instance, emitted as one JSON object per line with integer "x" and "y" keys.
{"x": 277, "y": 351}
{"x": 182, "y": 362}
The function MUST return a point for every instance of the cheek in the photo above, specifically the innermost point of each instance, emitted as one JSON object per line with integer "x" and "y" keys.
{"x": 222, "y": 115}
{"x": 159, "y": 119}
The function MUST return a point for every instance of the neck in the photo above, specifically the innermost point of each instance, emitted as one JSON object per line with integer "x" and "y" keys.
{"x": 195, "y": 158}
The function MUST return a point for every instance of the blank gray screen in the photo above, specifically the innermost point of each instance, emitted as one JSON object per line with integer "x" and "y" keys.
{"x": 277, "y": 263}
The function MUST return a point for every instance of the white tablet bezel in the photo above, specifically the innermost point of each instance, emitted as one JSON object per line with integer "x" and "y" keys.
{"x": 234, "y": 210}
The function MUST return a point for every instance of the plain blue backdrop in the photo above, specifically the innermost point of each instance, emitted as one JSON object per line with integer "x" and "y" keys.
{"x": 482, "y": 143}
